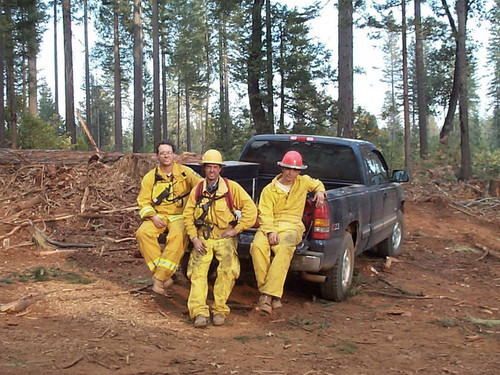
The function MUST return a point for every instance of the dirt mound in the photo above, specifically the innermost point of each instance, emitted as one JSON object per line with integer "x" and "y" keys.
{"x": 75, "y": 295}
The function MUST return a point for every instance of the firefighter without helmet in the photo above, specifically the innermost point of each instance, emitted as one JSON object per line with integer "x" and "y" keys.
{"x": 292, "y": 159}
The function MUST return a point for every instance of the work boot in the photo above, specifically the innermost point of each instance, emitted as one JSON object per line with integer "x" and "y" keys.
{"x": 158, "y": 287}
{"x": 264, "y": 304}
{"x": 276, "y": 303}
{"x": 168, "y": 283}
{"x": 218, "y": 319}
{"x": 200, "y": 321}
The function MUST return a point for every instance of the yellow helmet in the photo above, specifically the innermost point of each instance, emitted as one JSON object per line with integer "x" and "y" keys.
{"x": 212, "y": 157}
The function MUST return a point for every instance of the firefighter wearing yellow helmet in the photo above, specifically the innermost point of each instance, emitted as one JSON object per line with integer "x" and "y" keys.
{"x": 212, "y": 225}
{"x": 163, "y": 195}
{"x": 281, "y": 206}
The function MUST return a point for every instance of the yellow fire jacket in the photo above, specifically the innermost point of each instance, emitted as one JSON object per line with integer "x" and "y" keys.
{"x": 219, "y": 216}
{"x": 175, "y": 190}
{"x": 275, "y": 205}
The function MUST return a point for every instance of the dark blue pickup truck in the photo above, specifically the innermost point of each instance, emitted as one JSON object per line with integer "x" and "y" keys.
{"x": 364, "y": 208}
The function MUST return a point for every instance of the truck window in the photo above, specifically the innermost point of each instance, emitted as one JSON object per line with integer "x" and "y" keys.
{"x": 324, "y": 161}
{"x": 375, "y": 166}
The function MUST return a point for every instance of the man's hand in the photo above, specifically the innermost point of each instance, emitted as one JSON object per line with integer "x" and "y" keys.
{"x": 158, "y": 222}
{"x": 199, "y": 246}
{"x": 229, "y": 233}
{"x": 319, "y": 198}
{"x": 273, "y": 238}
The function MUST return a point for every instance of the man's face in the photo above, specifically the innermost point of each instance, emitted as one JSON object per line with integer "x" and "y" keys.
{"x": 212, "y": 172}
{"x": 289, "y": 175}
{"x": 165, "y": 155}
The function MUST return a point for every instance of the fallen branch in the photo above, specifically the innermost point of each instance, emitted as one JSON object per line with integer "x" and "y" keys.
{"x": 486, "y": 252}
{"x": 21, "y": 303}
{"x": 397, "y": 287}
{"x": 120, "y": 239}
{"x": 11, "y": 232}
{"x": 408, "y": 296}
{"x": 41, "y": 239}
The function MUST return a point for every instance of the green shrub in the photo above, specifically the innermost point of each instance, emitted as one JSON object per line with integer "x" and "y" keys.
{"x": 486, "y": 164}
{"x": 38, "y": 134}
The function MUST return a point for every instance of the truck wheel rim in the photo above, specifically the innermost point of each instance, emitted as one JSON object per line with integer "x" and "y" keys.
{"x": 396, "y": 236}
{"x": 347, "y": 264}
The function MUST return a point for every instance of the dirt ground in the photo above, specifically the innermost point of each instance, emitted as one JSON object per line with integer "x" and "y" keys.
{"x": 78, "y": 310}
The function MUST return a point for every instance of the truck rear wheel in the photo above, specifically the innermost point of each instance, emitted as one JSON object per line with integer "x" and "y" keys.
{"x": 393, "y": 244}
{"x": 339, "y": 278}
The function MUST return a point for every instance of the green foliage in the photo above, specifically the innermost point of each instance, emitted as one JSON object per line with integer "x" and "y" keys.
{"x": 35, "y": 133}
{"x": 41, "y": 273}
{"x": 348, "y": 347}
{"x": 486, "y": 164}
{"x": 445, "y": 322}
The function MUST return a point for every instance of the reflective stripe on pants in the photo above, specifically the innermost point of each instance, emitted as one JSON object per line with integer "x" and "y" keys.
{"x": 162, "y": 264}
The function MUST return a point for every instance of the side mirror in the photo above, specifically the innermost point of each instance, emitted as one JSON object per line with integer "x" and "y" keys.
{"x": 400, "y": 175}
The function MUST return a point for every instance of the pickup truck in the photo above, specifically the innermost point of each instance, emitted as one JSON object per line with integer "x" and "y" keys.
{"x": 364, "y": 208}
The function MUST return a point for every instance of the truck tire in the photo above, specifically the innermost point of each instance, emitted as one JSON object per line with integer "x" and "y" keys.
{"x": 339, "y": 278}
{"x": 393, "y": 244}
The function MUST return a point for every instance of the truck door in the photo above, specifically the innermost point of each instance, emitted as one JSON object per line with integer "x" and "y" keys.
{"x": 379, "y": 188}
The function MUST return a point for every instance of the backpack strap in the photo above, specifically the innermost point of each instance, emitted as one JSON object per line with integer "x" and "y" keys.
{"x": 199, "y": 191}
{"x": 229, "y": 197}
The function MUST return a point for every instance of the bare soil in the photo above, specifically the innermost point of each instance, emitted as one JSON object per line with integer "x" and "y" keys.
{"x": 78, "y": 310}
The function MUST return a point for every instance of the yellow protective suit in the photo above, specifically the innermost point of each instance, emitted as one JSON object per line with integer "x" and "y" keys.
{"x": 218, "y": 219}
{"x": 279, "y": 212}
{"x": 182, "y": 179}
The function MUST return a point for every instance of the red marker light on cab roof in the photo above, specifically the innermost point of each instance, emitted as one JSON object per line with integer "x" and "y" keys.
{"x": 301, "y": 138}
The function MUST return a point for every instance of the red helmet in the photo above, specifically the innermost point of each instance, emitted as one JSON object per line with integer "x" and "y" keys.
{"x": 292, "y": 159}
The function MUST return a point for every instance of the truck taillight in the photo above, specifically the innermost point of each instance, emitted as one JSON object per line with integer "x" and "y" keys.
{"x": 301, "y": 138}
{"x": 321, "y": 227}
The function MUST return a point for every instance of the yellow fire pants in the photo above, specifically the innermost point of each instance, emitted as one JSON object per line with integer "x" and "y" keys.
{"x": 162, "y": 264}
{"x": 227, "y": 272}
{"x": 271, "y": 276}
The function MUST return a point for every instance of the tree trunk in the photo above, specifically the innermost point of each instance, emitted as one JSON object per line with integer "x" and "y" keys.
{"x": 56, "y": 70}
{"x": 165, "y": 97}
{"x": 32, "y": 80}
{"x": 254, "y": 71}
{"x": 227, "y": 117}
{"x": 68, "y": 72}
{"x": 462, "y": 10}
{"x": 282, "y": 83}
{"x": 2, "y": 92}
{"x": 421, "y": 83}
{"x": 452, "y": 104}
{"x": 345, "y": 64}
{"x": 156, "y": 75}
{"x": 117, "y": 82}
{"x": 11, "y": 92}
{"x": 204, "y": 124}
{"x": 188, "y": 121}
{"x": 221, "y": 65}
{"x": 88, "y": 109}
{"x": 406, "y": 106}
{"x": 269, "y": 71}
{"x": 138, "y": 141}
{"x": 178, "y": 113}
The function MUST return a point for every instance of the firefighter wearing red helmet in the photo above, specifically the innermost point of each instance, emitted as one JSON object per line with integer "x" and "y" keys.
{"x": 281, "y": 206}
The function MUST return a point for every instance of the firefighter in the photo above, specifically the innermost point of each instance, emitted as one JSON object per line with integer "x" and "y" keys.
{"x": 163, "y": 195}
{"x": 281, "y": 206}
{"x": 212, "y": 224}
